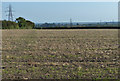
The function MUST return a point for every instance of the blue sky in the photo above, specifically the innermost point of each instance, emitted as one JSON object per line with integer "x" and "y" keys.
{"x": 40, "y": 12}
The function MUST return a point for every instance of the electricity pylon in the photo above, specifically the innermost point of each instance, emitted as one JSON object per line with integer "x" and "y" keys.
{"x": 70, "y": 22}
{"x": 10, "y": 13}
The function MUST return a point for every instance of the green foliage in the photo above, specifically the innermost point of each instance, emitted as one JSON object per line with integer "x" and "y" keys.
{"x": 9, "y": 25}
{"x": 25, "y": 24}
{"x": 20, "y": 23}
{"x": 29, "y": 24}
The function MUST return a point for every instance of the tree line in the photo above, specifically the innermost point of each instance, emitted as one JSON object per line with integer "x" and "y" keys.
{"x": 20, "y": 23}
{"x": 75, "y": 25}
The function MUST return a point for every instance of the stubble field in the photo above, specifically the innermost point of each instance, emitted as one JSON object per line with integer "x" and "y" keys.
{"x": 60, "y": 54}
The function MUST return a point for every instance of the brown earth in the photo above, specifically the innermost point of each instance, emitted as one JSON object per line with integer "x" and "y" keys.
{"x": 60, "y": 54}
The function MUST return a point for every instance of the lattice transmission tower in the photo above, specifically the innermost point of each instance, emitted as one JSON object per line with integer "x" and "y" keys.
{"x": 71, "y": 22}
{"x": 10, "y": 13}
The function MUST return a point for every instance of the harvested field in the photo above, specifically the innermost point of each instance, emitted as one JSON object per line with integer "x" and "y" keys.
{"x": 60, "y": 54}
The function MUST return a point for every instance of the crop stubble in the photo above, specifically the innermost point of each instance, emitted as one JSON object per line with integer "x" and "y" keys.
{"x": 60, "y": 54}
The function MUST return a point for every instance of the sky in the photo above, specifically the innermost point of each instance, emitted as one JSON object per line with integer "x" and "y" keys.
{"x": 41, "y": 12}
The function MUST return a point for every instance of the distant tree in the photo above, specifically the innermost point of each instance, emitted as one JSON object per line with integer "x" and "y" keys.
{"x": 21, "y": 22}
{"x": 77, "y": 24}
{"x": 25, "y": 24}
{"x": 9, "y": 25}
{"x": 29, "y": 24}
{"x": 54, "y": 25}
{"x": 59, "y": 25}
